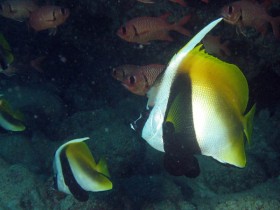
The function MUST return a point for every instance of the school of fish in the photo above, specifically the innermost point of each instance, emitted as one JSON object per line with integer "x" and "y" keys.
{"x": 196, "y": 101}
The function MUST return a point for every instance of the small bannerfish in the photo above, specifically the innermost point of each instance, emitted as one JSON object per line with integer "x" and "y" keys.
{"x": 76, "y": 171}
{"x": 48, "y": 17}
{"x": 9, "y": 119}
{"x": 199, "y": 109}
{"x": 142, "y": 30}
{"x": 250, "y": 14}
{"x": 138, "y": 79}
{"x": 17, "y": 9}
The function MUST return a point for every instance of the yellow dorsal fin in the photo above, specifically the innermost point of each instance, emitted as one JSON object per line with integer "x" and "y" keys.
{"x": 224, "y": 76}
{"x": 80, "y": 150}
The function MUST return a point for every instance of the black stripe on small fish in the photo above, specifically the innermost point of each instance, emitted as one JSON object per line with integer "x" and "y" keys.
{"x": 77, "y": 191}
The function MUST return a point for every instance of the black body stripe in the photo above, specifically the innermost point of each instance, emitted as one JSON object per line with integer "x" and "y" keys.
{"x": 180, "y": 107}
{"x": 69, "y": 179}
{"x": 179, "y": 137}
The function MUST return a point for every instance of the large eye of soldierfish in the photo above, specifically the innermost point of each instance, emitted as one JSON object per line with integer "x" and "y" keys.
{"x": 123, "y": 30}
{"x": 132, "y": 80}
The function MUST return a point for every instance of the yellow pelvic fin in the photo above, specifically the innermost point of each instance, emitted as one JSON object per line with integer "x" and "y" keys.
{"x": 248, "y": 123}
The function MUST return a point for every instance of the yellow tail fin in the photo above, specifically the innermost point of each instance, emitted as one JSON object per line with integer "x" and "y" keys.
{"x": 248, "y": 123}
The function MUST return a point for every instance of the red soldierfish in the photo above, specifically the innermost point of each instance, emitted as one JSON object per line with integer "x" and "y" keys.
{"x": 17, "y": 9}
{"x": 48, "y": 17}
{"x": 138, "y": 79}
{"x": 142, "y": 30}
{"x": 250, "y": 13}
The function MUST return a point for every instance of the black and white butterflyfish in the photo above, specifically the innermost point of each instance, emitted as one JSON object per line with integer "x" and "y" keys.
{"x": 199, "y": 108}
{"x": 76, "y": 171}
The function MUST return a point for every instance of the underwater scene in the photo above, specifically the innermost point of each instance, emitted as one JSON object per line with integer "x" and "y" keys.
{"x": 139, "y": 105}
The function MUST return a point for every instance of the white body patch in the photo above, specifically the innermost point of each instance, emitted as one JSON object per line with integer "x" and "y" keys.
{"x": 206, "y": 121}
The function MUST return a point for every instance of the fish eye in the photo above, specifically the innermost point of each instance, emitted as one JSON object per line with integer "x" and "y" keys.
{"x": 230, "y": 9}
{"x": 123, "y": 30}
{"x": 132, "y": 80}
{"x": 63, "y": 11}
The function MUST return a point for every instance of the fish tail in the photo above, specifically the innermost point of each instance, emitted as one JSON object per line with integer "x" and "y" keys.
{"x": 179, "y": 26}
{"x": 248, "y": 125}
{"x": 275, "y": 23}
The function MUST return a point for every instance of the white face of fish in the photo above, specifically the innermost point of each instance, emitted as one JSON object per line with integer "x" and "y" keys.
{"x": 152, "y": 130}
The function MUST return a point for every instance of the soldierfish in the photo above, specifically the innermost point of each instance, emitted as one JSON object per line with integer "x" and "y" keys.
{"x": 142, "y": 30}
{"x": 17, "y": 9}
{"x": 250, "y": 13}
{"x": 48, "y": 17}
{"x": 138, "y": 79}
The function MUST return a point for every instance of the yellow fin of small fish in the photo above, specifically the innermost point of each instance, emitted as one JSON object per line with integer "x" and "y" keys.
{"x": 82, "y": 162}
{"x": 248, "y": 123}
{"x": 5, "y": 45}
{"x": 102, "y": 167}
{"x": 5, "y": 106}
{"x": 81, "y": 150}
